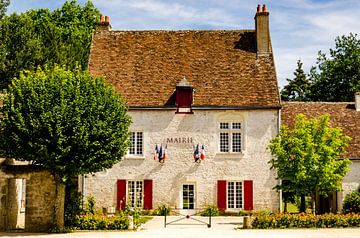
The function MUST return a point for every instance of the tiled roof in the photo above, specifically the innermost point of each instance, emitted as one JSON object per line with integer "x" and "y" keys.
{"x": 342, "y": 114}
{"x": 222, "y": 66}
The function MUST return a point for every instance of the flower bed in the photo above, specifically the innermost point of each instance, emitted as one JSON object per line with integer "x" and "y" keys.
{"x": 302, "y": 220}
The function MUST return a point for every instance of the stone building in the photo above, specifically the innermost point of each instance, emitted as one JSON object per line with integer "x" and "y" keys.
{"x": 28, "y": 198}
{"x": 190, "y": 91}
{"x": 342, "y": 114}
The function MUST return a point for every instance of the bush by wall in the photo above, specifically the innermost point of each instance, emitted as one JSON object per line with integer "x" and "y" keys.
{"x": 352, "y": 202}
{"x": 96, "y": 222}
{"x": 302, "y": 220}
{"x": 210, "y": 210}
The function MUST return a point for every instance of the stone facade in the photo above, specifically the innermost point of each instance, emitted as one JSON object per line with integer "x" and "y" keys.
{"x": 202, "y": 127}
{"x": 43, "y": 202}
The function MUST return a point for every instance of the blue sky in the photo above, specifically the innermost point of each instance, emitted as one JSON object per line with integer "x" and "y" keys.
{"x": 299, "y": 28}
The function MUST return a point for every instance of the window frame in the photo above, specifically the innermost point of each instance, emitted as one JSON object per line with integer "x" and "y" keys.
{"x": 128, "y": 197}
{"x": 135, "y": 146}
{"x": 230, "y": 131}
{"x": 235, "y": 195}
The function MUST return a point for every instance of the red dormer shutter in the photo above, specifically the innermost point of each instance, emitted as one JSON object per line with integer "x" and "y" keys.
{"x": 184, "y": 97}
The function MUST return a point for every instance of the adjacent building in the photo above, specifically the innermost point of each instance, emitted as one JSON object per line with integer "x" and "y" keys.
{"x": 342, "y": 114}
{"x": 191, "y": 92}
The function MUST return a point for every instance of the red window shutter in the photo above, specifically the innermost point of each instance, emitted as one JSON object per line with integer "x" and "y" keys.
{"x": 221, "y": 195}
{"x": 184, "y": 97}
{"x": 248, "y": 195}
{"x": 148, "y": 194}
{"x": 121, "y": 194}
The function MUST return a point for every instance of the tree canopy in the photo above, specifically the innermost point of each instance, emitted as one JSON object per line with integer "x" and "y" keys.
{"x": 308, "y": 156}
{"x": 298, "y": 88}
{"x": 337, "y": 78}
{"x": 334, "y": 78}
{"x": 68, "y": 122}
{"x": 3, "y": 6}
{"x": 38, "y": 37}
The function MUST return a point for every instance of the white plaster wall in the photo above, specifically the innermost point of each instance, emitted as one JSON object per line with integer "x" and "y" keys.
{"x": 351, "y": 182}
{"x": 259, "y": 127}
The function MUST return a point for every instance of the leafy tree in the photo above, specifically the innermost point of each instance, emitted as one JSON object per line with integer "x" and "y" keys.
{"x": 66, "y": 122}
{"x": 39, "y": 37}
{"x": 3, "y": 6}
{"x": 337, "y": 78}
{"x": 297, "y": 88}
{"x": 308, "y": 157}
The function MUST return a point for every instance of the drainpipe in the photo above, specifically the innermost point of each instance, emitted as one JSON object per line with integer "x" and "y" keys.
{"x": 278, "y": 129}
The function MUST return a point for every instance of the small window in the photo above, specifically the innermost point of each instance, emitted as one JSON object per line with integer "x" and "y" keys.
{"x": 136, "y": 147}
{"x": 135, "y": 194}
{"x": 230, "y": 137}
{"x": 234, "y": 195}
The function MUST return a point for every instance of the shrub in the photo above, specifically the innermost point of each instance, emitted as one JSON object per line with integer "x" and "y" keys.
{"x": 244, "y": 213}
{"x": 94, "y": 222}
{"x": 303, "y": 220}
{"x": 90, "y": 205}
{"x": 352, "y": 202}
{"x": 210, "y": 210}
{"x": 162, "y": 210}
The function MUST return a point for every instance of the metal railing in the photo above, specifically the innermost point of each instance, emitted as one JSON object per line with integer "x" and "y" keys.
{"x": 191, "y": 217}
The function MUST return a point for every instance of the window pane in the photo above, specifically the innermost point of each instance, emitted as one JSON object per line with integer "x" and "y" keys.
{"x": 139, "y": 143}
{"x": 132, "y": 146}
{"x": 236, "y": 126}
{"x": 224, "y": 125}
{"x": 238, "y": 192}
{"x": 139, "y": 194}
{"x": 230, "y": 195}
{"x": 224, "y": 142}
{"x": 131, "y": 193}
{"x": 236, "y": 142}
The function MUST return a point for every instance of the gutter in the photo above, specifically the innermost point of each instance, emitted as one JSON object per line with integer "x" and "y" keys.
{"x": 245, "y": 107}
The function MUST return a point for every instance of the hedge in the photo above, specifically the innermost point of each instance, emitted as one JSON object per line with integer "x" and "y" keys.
{"x": 303, "y": 220}
{"x": 94, "y": 222}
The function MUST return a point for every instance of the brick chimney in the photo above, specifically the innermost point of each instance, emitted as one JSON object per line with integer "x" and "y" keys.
{"x": 357, "y": 101}
{"x": 104, "y": 23}
{"x": 262, "y": 30}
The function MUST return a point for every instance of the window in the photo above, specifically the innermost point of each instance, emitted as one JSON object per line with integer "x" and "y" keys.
{"x": 135, "y": 194}
{"x": 234, "y": 195}
{"x": 136, "y": 147}
{"x": 230, "y": 137}
{"x": 188, "y": 196}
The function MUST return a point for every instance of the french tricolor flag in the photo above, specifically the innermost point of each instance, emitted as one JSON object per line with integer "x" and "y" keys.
{"x": 156, "y": 152}
{"x": 196, "y": 153}
{"x": 202, "y": 155}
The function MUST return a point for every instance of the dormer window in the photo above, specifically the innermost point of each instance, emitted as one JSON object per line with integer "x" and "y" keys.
{"x": 184, "y": 97}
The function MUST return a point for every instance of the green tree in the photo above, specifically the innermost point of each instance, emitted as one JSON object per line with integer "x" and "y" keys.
{"x": 308, "y": 157}
{"x": 298, "y": 88}
{"x": 3, "y": 6}
{"x": 39, "y": 37}
{"x": 337, "y": 78}
{"x": 66, "y": 122}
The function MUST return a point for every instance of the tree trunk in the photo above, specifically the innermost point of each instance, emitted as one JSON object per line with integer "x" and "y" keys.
{"x": 313, "y": 200}
{"x": 285, "y": 206}
{"x": 302, "y": 203}
{"x": 58, "y": 216}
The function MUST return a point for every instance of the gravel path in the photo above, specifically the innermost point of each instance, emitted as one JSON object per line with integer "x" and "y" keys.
{"x": 221, "y": 227}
